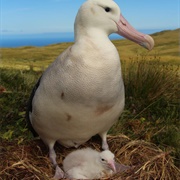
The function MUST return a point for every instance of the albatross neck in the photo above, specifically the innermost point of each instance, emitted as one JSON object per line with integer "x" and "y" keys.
{"x": 96, "y": 35}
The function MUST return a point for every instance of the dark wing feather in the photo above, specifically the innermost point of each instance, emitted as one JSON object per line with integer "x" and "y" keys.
{"x": 29, "y": 108}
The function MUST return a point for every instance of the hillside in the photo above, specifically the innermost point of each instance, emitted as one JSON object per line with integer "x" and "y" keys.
{"x": 166, "y": 49}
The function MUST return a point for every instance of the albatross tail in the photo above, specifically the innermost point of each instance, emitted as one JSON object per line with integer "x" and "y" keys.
{"x": 29, "y": 109}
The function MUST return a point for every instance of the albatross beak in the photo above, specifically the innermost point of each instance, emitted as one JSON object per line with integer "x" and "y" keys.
{"x": 112, "y": 166}
{"x": 127, "y": 31}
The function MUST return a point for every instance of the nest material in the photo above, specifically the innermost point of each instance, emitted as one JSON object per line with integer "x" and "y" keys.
{"x": 30, "y": 161}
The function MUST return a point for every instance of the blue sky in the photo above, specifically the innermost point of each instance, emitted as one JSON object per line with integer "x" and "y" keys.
{"x": 43, "y": 16}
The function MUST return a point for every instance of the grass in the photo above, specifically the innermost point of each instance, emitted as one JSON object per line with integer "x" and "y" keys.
{"x": 151, "y": 84}
{"x": 13, "y": 102}
{"x": 152, "y": 103}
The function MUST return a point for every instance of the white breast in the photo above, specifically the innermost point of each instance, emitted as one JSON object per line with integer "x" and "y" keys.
{"x": 87, "y": 97}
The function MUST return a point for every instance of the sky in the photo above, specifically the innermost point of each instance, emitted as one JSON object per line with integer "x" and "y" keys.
{"x": 48, "y": 16}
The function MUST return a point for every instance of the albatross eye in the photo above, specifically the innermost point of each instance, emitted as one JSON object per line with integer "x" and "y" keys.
{"x": 102, "y": 159}
{"x": 107, "y": 9}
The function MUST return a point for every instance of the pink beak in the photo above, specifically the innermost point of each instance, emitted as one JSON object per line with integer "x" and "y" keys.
{"x": 127, "y": 31}
{"x": 112, "y": 166}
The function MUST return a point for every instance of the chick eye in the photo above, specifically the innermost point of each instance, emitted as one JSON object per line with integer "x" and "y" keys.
{"x": 107, "y": 9}
{"x": 102, "y": 159}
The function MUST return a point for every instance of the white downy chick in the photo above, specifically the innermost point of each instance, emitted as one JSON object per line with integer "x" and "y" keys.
{"x": 89, "y": 164}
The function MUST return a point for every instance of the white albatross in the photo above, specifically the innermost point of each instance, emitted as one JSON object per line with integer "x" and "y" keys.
{"x": 81, "y": 93}
{"x": 89, "y": 164}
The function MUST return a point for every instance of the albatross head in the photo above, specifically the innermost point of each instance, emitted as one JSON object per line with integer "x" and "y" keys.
{"x": 106, "y": 158}
{"x": 104, "y": 17}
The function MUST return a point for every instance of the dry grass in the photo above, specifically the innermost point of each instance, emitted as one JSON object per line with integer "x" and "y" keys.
{"x": 30, "y": 161}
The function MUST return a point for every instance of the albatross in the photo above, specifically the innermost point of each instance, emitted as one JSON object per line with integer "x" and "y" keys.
{"x": 81, "y": 93}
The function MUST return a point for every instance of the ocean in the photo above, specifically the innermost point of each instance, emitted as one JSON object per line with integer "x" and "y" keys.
{"x": 44, "y": 39}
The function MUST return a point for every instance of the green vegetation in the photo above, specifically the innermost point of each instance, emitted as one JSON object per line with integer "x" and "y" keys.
{"x": 151, "y": 82}
{"x": 152, "y": 103}
{"x": 18, "y": 85}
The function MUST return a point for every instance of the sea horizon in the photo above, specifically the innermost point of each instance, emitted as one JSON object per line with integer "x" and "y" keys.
{"x": 45, "y": 39}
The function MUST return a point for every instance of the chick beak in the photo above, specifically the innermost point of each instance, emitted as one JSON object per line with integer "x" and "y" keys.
{"x": 112, "y": 166}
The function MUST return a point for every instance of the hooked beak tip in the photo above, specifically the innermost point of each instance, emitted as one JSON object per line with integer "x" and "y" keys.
{"x": 149, "y": 43}
{"x": 127, "y": 31}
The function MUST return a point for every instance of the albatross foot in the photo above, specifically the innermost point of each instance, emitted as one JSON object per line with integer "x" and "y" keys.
{"x": 121, "y": 167}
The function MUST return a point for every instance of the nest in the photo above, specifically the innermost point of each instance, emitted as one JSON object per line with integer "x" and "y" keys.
{"x": 30, "y": 161}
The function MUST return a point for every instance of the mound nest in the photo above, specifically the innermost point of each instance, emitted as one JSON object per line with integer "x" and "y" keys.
{"x": 30, "y": 160}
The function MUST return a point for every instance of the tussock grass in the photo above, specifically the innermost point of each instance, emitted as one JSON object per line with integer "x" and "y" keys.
{"x": 152, "y": 103}
{"x": 13, "y": 101}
